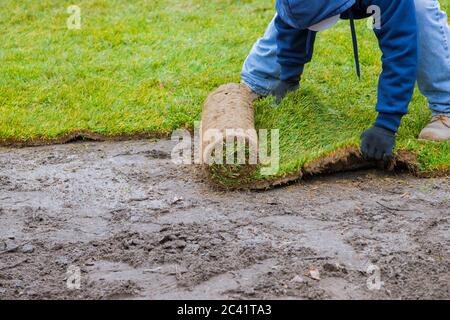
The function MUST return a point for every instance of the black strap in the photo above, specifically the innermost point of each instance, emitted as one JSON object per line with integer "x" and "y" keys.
{"x": 355, "y": 42}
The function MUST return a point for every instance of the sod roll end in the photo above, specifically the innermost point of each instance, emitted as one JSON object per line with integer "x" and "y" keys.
{"x": 229, "y": 138}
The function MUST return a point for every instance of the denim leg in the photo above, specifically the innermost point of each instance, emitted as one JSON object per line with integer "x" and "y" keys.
{"x": 434, "y": 55}
{"x": 261, "y": 71}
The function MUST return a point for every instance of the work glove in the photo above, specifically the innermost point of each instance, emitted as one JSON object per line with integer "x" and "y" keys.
{"x": 377, "y": 143}
{"x": 284, "y": 88}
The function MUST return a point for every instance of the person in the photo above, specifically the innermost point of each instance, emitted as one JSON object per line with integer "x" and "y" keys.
{"x": 433, "y": 75}
{"x": 262, "y": 70}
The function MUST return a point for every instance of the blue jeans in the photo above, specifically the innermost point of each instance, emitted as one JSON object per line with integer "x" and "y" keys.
{"x": 261, "y": 72}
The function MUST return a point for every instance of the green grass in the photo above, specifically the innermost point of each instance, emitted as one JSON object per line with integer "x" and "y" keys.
{"x": 135, "y": 66}
{"x": 146, "y": 66}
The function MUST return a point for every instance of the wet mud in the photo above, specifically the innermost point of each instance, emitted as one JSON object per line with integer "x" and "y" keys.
{"x": 137, "y": 226}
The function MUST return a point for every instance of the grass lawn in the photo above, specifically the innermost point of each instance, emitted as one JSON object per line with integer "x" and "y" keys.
{"x": 146, "y": 66}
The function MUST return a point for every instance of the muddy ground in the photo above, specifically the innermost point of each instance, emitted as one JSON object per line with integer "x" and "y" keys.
{"x": 136, "y": 226}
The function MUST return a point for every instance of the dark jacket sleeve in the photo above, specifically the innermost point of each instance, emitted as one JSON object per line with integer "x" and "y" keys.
{"x": 294, "y": 49}
{"x": 397, "y": 39}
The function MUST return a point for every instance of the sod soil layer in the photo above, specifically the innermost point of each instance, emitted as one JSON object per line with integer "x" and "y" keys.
{"x": 137, "y": 226}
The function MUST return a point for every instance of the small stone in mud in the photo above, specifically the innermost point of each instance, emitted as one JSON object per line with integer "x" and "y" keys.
{"x": 157, "y": 205}
{"x": 167, "y": 238}
{"x": 28, "y": 248}
{"x": 31, "y": 293}
{"x": 154, "y": 270}
{"x": 177, "y": 244}
{"x": 298, "y": 279}
{"x": 176, "y": 200}
{"x": 314, "y": 274}
{"x": 135, "y": 242}
{"x": 192, "y": 247}
{"x": 58, "y": 246}
{"x": 334, "y": 267}
{"x": 126, "y": 244}
{"x": 62, "y": 260}
{"x": 249, "y": 291}
{"x": 18, "y": 284}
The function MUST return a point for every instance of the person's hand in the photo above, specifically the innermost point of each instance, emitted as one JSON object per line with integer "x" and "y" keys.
{"x": 377, "y": 143}
{"x": 284, "y": 88}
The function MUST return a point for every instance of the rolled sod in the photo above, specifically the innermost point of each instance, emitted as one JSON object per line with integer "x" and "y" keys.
{"x": 229, "y": 139}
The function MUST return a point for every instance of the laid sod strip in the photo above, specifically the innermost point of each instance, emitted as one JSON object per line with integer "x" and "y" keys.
{"x": 315, "y": 139}
{"x": 144, "y": 68}
{"x": 134, "y": 66}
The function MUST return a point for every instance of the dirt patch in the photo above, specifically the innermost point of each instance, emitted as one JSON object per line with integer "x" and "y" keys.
{"x": 137, "y": 226}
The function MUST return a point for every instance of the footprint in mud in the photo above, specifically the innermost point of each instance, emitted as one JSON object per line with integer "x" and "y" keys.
{"x": 150, "y": 154}
{"x": 156, "y": 154}
{"x": 120, "y": 215}
{"x": 4, "y": 181}
{"x": 416, "y": 276}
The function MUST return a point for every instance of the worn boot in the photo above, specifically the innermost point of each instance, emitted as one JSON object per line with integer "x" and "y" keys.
{"x": 255, "y": 96}
{"x": 437, "y": 130}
